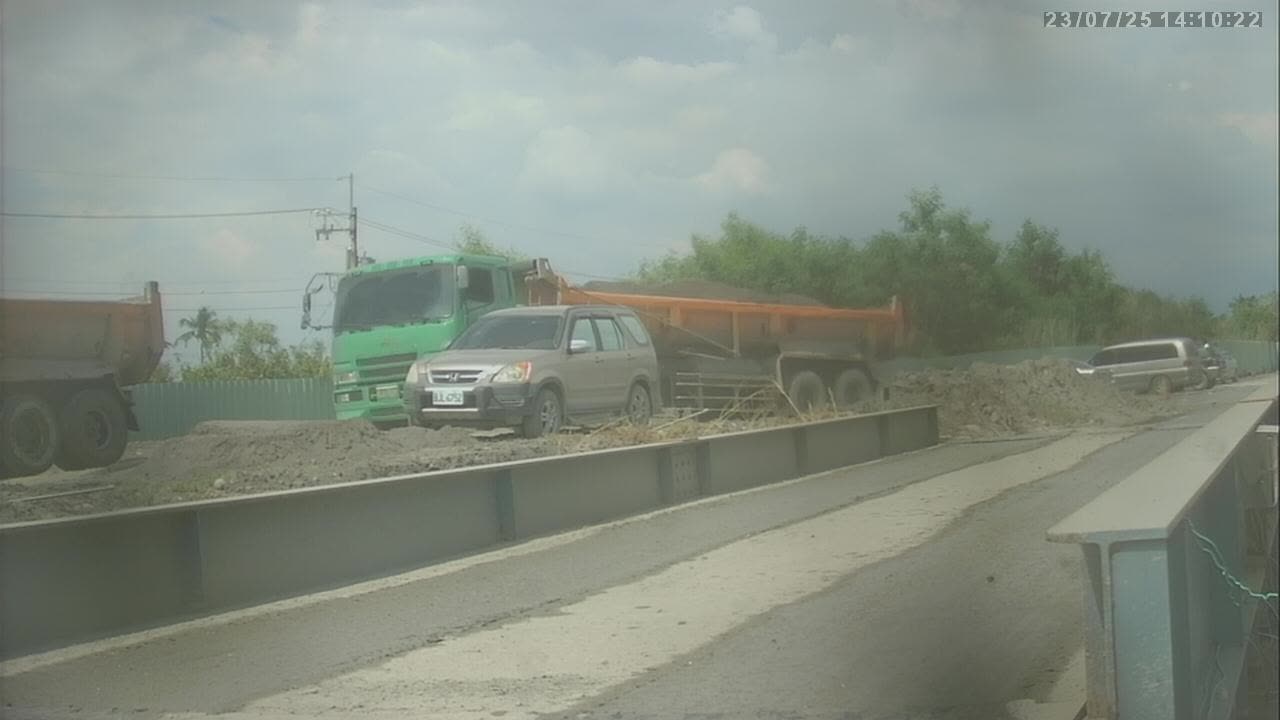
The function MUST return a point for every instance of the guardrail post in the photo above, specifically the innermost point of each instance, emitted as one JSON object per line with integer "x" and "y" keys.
{"x": 192, "y": 554}
{"x": 505, "y": 496}
{"x": 702, "y": 450}
{"x": 666, "y": 477}
{"x": 800, "y": 438}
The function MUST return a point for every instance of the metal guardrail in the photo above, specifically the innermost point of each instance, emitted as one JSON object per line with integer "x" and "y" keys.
{"x": 1167, "y": 555}
{"x": 73, "y": 579}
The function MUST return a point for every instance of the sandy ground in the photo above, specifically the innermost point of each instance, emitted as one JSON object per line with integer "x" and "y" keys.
{"x": 229, "y": 458}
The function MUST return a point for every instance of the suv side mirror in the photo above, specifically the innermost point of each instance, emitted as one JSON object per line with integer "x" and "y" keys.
{"x": 578, "y": 346}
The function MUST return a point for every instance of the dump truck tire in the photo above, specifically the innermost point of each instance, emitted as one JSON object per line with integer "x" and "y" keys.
{"x": 852, "y": 387}
{"x": 94, "y": 430}
{"x": 807, "y": 391}
{"x": 28, "y": 435}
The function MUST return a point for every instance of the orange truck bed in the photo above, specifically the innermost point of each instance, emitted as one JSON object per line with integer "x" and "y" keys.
{"x": 741, "y": 327}
{"x": 49, "y": 340}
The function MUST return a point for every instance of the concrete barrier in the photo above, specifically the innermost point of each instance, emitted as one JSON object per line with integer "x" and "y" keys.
{"x": 74, "y": 579}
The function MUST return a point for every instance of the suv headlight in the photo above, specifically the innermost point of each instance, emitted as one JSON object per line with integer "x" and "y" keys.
{"x": 514, "y": 373}
{"x": 415, "y": 372}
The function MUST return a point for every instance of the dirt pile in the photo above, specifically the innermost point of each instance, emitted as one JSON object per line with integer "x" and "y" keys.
{"x": 992, "y": 400}
{"x": 700, "y": 289}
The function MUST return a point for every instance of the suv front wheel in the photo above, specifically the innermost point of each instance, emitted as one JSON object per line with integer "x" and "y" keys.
{"x": 547, "y": 415}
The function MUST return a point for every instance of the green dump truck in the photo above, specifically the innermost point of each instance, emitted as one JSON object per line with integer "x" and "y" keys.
{"x": 386, "y": 315}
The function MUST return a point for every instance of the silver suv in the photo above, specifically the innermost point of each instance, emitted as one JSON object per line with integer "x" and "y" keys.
{"x": 534, "y": 367}
{"x": 1158, "y": 366}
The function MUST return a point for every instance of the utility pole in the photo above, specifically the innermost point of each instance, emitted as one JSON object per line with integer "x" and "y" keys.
{"x": 353, "y": 250}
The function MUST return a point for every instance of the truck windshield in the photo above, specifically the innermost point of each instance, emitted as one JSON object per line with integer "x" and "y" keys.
{"x": 396, "y": 297}
{"x": 534, "y": 332}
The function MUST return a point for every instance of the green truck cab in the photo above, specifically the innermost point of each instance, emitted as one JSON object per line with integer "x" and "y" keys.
{"x": 387, "y": 315}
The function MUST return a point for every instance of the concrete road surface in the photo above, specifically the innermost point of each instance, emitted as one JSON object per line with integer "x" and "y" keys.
{"x": 918, "y": 586}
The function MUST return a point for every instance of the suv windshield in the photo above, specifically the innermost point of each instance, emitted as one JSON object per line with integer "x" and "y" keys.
{"x": 540, "y": 332}
{"x": 397, "y": 297}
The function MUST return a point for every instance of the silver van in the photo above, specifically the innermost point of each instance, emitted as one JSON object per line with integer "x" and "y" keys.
{"x": 1158, "y": 366}
{"x": 533, "y": 368}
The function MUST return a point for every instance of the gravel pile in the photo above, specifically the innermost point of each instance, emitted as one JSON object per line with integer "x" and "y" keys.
{"x": 1034, "y": 395}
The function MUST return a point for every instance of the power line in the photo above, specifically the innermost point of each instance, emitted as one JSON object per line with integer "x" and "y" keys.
{"x": 180, "y": 216}
{"x": 495, "y": 221}
{"x": 236, "y": 309}
{"x": 197, "y": 293}
{"x": 163, "y": 283}
{"x": 393, "y": 230}
{"x": 179, "y": 178}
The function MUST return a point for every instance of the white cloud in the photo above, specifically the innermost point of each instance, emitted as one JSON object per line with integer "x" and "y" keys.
{"x": 844, "y": 44}
{"x": 566, "y": 159}
{"x": 229, "y": 249}
{"x": 502, "y": 110}
{"x": 744, "y": 24}
{"x": 1259, "y": 128}
{"x": 656, "y": 74}
{"x": 737, "y": 169}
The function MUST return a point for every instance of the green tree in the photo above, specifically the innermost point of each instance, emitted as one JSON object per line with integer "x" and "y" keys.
{"x": 255, "y": 353}
{"x": 471, "y": 240}
{"x": 203, "y": 327}
{"x": 1252, "y": 317}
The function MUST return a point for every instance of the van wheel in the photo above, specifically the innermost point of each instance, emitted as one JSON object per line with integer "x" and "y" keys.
{"x": 547, "y": 415}
{"x": 29, "y": 435}
{"x": 852, "y": 387}
{"x": 807, "y": 391}
{"x": 639, "y": 405}
{"x": 1201, "y": 381}
{"x": 1160, "y": 385}
{"x": 94, "y": 430}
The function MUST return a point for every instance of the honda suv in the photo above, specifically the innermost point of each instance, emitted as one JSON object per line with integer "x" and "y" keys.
{"x": 534, "y": 368}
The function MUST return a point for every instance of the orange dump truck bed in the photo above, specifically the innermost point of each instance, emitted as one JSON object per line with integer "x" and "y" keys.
{"x": 749, "y": 327}
{"x": 63, "y": 369}
{"x": 56, "y": 339}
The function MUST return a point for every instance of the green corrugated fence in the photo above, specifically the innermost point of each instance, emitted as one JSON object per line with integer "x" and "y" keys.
{"x": 1254, "y": 356}
{"x": 169, "y": 409}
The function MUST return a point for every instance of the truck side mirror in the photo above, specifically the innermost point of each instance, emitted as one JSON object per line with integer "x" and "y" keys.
{"x": 306, "y": 311}
{"x": 463, "y": 277}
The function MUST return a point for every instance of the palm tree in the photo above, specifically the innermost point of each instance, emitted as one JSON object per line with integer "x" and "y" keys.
{"x": 205, "y": 328}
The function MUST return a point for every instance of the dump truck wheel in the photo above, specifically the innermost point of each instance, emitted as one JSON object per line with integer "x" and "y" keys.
{"x": 28, "y": 435}
{"x": 807, "y": 391}
{"x": 852, "y": 387}
{"x": 94, "y": 430}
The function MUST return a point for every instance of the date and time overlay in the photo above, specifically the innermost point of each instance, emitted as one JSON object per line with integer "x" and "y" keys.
{"x": 1176, "y": 19}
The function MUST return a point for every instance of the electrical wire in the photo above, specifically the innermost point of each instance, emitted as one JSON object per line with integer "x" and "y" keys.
{"x": 197, "y": 293}
{"x": 1210, "y": 548}
{"x": 494, "y": 221}
{"x": 175, "y": 216}
{"x": 178, "y": 178}
{"x": 408, "y": 234}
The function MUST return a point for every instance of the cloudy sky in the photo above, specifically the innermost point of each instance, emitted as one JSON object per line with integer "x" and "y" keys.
{"x": 601, "y": 133}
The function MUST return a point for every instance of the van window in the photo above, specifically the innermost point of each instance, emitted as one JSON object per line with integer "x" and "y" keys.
{"x": 635, "y": 329}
